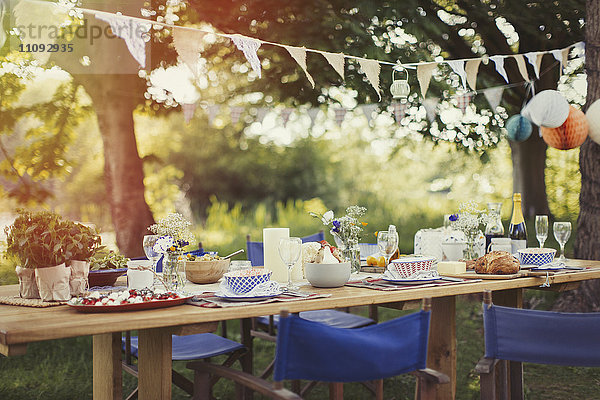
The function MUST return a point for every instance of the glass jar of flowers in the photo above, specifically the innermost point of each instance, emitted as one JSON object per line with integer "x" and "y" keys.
{"x": 174, "y": 236}
{"x": 346, "y": 231}
{"x": 467, "y": 220}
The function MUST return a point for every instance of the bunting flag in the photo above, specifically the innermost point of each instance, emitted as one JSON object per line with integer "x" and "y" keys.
{"x": 336, "y": 60}
{"x": 458, "y": 66}
{"x": 312, "y": 113}
{"x": 261, "y": 113}
{"x": 558, "y": 55}
{"x": 249, "y": 47}
{"x": 535, "y": 59}
{"x": 424, "y": 72}
{"x": 471, "y": 68}
{"x": 463, "y": 101}
{"x": 285, "y": 115}
{"x": 131, "y": 31}
{"x": 299, "y": 54}
{"x": 371, "y": 69}
{"x": 368, "y": 110}
{"x": 399, "y": 111}
{"x": 522, "y": 67}
{"x": 493, "y": 96}
{"x": 235, "y": 113}
{"x": 188, "y": 111}
{"x": 499, "y": 63}
{"x": 38, "y": 15}
{"x": 187, "y": 45}
{"x": 212, "y": 112}
{"x": 430, "y": 105}
{"x": 340, "y": 114}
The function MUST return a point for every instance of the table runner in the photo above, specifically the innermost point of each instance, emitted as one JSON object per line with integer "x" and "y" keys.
{"x": 380, "y": 284}
{"x": 209, "y": 300}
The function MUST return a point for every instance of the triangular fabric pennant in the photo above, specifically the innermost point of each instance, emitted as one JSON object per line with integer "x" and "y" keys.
{"x": 499, "y": 63}
{"x": 340, "y": 114}
{"x": 131, "y": 31}
{"x": 535, "y": 59}
{"x": 463, "y": 101}
{"x": 522, "y": 67}
{"x": 368, "y": 110}
{"x": 565, "y": 56}
{"x": 399, "y": 110}
{"x": 261, "y": 113}
{"x": 371, "y": 69}
{"x": 312, "y": 113}
{"x": 42, "y": 20}
{"x": 235, "y": 113}
{"x": 336, "y": 60}
{"x": 188, "y": 111}
{"x": 458, "y": 66}
{"x": 187, "y": 45}
{"x": 249, "y": 47}
{"x": 493, "y": 96}
{"x": 558, "y": 55}
{"x": 285, "y": 115}
{"x": 430, "y": 105}
{"x": 424, "y": 72}
{"x": 471, "y": 68}
{"x": 299, "y": 54}
{"x": 212, "y": 112}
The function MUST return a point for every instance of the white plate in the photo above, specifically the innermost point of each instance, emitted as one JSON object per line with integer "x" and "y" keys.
{"x": 245, "y": 298}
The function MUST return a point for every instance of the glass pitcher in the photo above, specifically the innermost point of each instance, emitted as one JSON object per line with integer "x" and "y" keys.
{"x": 494, "y": 227}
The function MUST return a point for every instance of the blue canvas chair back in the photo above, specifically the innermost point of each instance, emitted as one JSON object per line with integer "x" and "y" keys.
{"x": 254, "y": 250}
{"x": 314, "y": 351}
{"x": 542, "y": 337}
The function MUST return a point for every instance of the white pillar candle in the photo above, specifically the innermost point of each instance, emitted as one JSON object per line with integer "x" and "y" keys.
{"x": 272, "y": 259}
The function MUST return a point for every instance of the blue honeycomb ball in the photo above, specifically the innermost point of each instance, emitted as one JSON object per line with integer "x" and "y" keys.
{"x": 519, "y": 128}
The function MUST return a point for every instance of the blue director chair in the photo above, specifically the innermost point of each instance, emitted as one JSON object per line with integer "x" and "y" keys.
{"x": 514, "y": 336}
{"x": 314, "y": 351}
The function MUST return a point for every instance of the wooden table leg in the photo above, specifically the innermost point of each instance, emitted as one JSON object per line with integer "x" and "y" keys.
{"x": 514, "y": 373}
{"x": 106, "y": 363}
{"x": 154, "y": 363}
{"x": 247, "y": 359}
{"x": 442, "y": 343}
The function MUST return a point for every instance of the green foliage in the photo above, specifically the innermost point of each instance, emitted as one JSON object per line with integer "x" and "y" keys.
{"x": 107, "y": 259}
{"x": 85, "y": 241}
{"x": 563, "y": 183}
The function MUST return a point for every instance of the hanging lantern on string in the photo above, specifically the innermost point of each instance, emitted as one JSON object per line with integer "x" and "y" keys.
{"x": 518, "y": 128}
{"x": 593, "y": 117}
{"x": 400, "y": 89}
{"x": 569, "y": 135}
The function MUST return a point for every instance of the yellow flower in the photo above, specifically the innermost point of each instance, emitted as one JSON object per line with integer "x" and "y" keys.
{"x": 364, "y": 223}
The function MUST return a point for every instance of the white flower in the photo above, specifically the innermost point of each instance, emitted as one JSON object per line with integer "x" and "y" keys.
{"x": 327, "y": 217}
{"x": 163, "y": 243}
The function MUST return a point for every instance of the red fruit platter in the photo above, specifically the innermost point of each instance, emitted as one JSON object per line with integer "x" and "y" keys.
{"x": 132, "y": 300}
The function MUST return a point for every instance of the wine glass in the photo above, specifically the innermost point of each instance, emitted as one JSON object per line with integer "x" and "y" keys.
{"x": 289, "y": 251}
{"x": 387, "y": 242}
{"x": 148, "y": 243}
{"x": 562, "y": 232}
{"x": 541, "y": 229}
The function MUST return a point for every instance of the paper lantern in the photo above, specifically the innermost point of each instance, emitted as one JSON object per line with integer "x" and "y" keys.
{"x": 548, "y": 108}
{"x": 519, "y": 128}
{"x": 593, "y": 117}
{"x": 570, "y": 134}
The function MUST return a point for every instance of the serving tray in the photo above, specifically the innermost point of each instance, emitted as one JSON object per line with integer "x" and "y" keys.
{"x": 146, "y": 305}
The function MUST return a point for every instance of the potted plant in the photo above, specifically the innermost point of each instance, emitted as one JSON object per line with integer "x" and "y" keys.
{"x": 83, "y": 244}
{"x": 106, "y": 266}
{"x": 38, "y": 240}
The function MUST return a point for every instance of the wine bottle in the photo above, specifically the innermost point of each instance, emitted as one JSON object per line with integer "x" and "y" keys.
{"x": 517, "y": 231}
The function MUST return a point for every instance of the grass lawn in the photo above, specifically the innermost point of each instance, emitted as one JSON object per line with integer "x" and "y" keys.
{"x": 62, "y": 369}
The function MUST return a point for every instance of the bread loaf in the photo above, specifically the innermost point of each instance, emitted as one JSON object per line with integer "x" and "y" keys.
{"x": 498, "y": 263}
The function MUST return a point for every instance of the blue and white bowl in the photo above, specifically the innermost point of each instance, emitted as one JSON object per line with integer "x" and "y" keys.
{"x": 245, "y": 280}
{"x": 536, "y": 256}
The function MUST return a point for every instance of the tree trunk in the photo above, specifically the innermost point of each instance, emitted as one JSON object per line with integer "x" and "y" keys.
{"x": 587, "y": 296}
{"x": 123, "y": 169}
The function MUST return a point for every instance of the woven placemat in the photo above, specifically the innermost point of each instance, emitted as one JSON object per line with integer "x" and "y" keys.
{"x": 18, "y": 301}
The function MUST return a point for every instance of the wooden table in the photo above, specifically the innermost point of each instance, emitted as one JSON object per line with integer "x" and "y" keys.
{"x": 22, "y": 325}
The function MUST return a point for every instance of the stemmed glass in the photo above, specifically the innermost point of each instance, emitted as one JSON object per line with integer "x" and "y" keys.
{"x": 289, "y": 251}
{"x": 388, "y": 243}
{"x": 541, "y": 229}
{"x": 562, "y": 232}
{"x": 148, "y": 243}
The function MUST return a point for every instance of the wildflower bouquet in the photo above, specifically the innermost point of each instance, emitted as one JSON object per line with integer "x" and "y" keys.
{"x": 174, "y": 233}
{"x": 469, "y": 218}
{"x": 347, "y": 228}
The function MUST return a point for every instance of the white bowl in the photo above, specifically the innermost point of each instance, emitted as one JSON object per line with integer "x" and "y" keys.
{"x": 327, "y": 275}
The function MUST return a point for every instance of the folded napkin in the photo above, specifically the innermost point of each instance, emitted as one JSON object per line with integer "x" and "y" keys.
{"x": 556, "y": 264}
{"x": 425, "y": 275}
